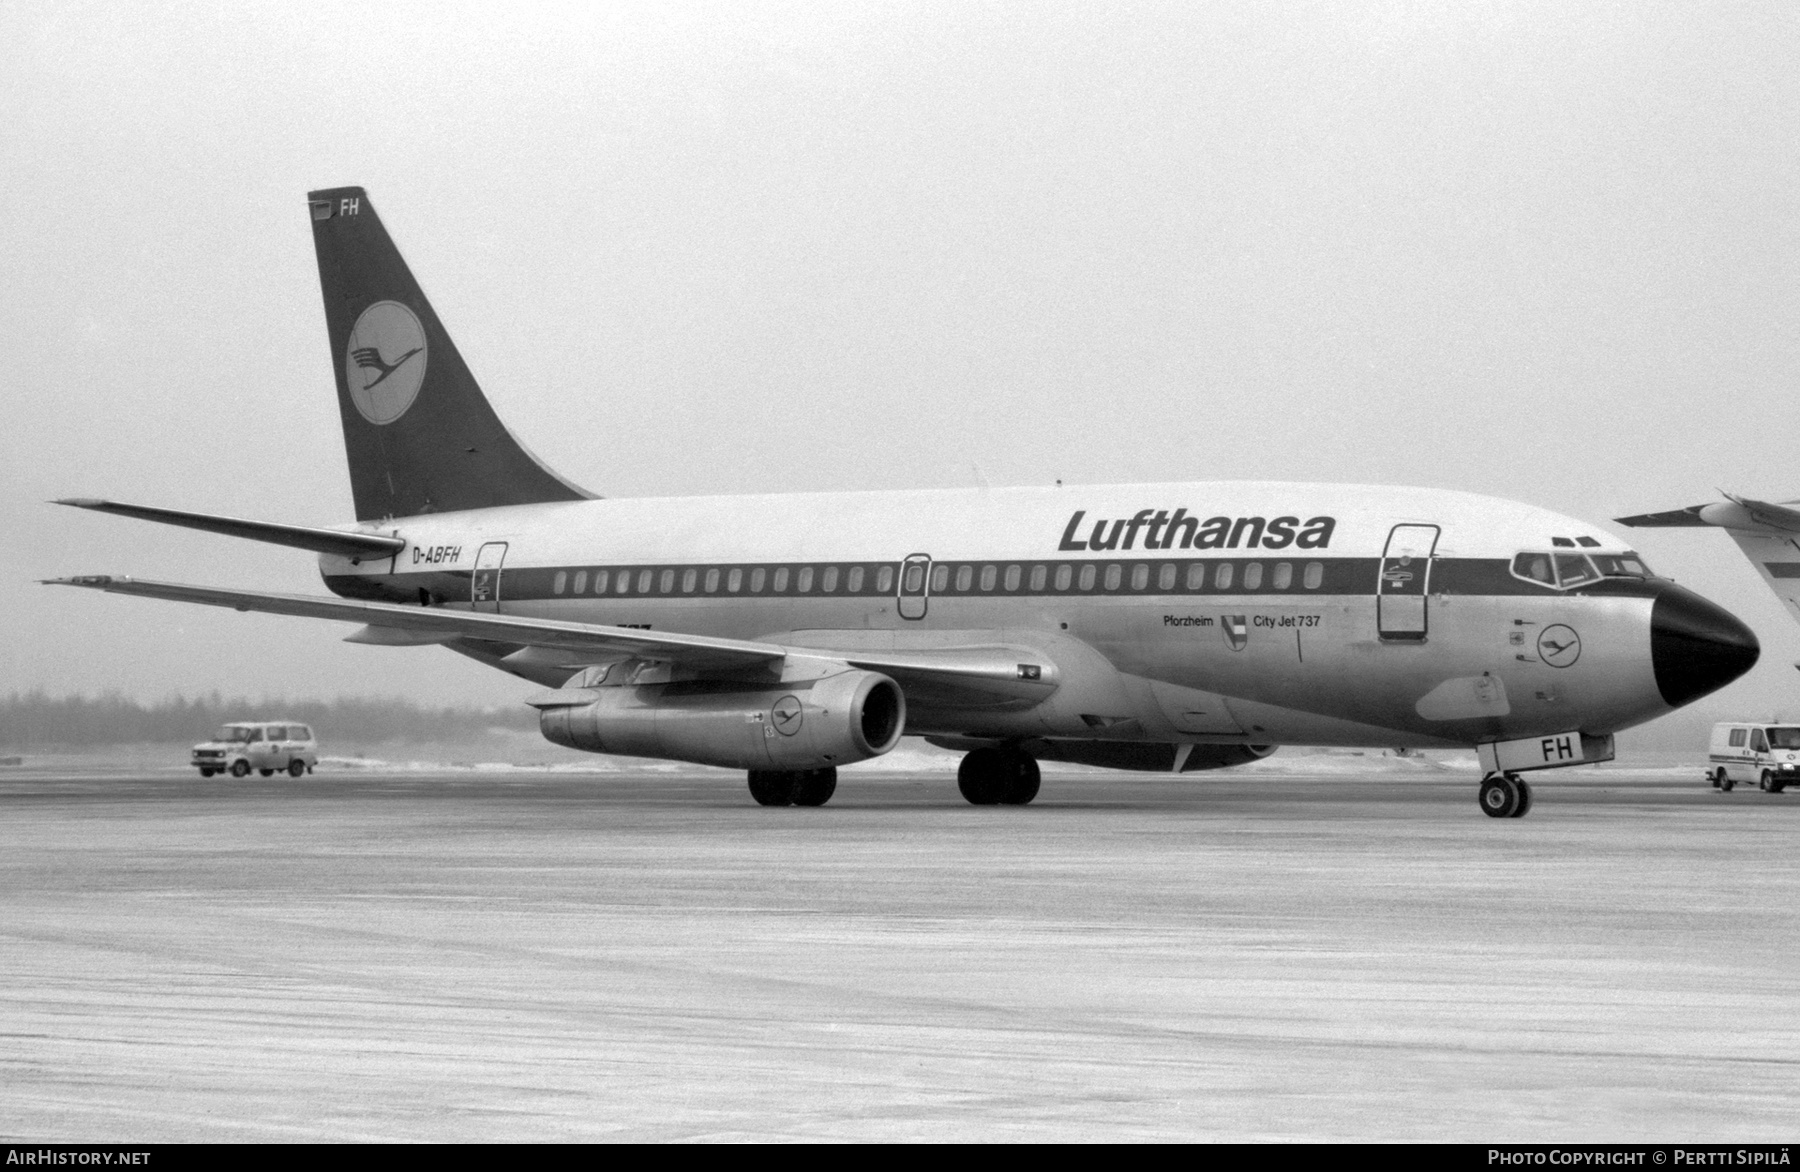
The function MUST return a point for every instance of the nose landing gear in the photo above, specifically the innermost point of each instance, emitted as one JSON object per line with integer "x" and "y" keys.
{"x": 1504, "y": 795}
{"x": 998, "y": 777}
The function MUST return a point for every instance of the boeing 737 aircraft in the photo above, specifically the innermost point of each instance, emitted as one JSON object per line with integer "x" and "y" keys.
{"x": 1171, "y": 627}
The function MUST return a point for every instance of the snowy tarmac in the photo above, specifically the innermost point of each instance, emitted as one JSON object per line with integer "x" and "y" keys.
{"x": 1310, "y": 949}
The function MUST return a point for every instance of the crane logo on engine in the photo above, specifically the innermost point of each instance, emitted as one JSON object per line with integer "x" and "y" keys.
{"x": 787, "y": 715}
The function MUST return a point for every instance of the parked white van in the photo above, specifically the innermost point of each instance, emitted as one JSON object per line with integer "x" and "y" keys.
{"x": 262, "y": 745}
{"x": 1768, "y": 754}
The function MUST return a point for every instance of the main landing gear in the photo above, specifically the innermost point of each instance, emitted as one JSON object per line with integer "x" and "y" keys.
{"x": 998, "y": 777}
{"x": 1505, "y": 795}
{"x": 792, "y": 787}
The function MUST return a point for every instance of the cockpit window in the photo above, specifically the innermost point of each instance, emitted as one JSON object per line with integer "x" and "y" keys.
{"x": 1621, "y": 565}
{"x": 1574, "y": 569}
{"x": 1784, "y": 738}
{"x": 1535, "y": 566}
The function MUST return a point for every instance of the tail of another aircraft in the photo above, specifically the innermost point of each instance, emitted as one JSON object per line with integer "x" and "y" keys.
{"x": 420, "y": 435}
{"x": 1767, "y": 533}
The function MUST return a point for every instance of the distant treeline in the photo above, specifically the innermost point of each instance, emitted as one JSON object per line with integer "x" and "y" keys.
{"x": 34, "y": 718}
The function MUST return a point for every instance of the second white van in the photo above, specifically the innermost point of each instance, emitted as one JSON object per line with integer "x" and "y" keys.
{"x": 1768, "y": 754}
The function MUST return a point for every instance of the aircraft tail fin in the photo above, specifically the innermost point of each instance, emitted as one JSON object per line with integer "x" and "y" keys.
{"x": 1767, "y": 533}
{"x": 419, "y": 434}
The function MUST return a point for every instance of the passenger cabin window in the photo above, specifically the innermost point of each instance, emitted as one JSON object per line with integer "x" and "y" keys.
{"x": 734, "y": 581}
{"x": 1140, "y": 576}
{"x": 828, "y": 580}
{"x": 1113, "y": 573}
{"x": 1064, "y": 575}
{"x": 940, "y": 578}
{"x": 1165, "y": 578}
{"x": 689, "y": 579}
{"x": 758, "y": 577}
{"x": 600, "y": 578}
{"x": 853, "y": 583}
{"x": 1284, "y": 575}
{"x": 1253, "y": 576}
{"x": 1222, "y": 576}
{"x": 965, "y": 578}
{"x": 1196, "y": 576}
{"x": 988, "y": 575}
{"x": 803, "y": 580}
{"x": 1737, "y": 737}
{"x": 1315, "y": 575}
{"x": 712, "y": 581}
{"x": 559, "y": 583}
{"x": 1039, "y": 575}
{"x": 1012, "y": 577}
{"x": 884, "y": 579}
{"x": 1086, "y": 581}
{"x": 644, "y": 577}
{"x": 781, "y": 580}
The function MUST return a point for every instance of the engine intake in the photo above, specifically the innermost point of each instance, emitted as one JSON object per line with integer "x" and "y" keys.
{"x": 809, "y": 724}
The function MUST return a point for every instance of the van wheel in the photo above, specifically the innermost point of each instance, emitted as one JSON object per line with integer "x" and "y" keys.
{"x": 296, "y": 767}
{"x": 1717, "y": 776}
{"x": 1777, "y": 784}
{"x": 1725, "y": 781}
{"x": 1762, "y": 783}
{"x": 240, "y": 769}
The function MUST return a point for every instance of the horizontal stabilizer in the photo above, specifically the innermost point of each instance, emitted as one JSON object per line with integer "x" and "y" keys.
{"x": 350, "y": 545}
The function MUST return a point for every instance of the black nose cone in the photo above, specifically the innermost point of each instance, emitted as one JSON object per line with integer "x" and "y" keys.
{"x": 1696, "y": 647}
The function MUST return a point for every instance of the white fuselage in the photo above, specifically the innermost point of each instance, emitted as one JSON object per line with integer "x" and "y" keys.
{"x": 1263, "y": 626}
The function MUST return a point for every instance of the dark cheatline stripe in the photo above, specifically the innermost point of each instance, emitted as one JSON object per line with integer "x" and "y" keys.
{"x": 1334, "y": 576}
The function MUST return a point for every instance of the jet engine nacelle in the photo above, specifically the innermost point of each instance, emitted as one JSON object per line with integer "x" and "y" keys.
{"x": 810, "y": 724}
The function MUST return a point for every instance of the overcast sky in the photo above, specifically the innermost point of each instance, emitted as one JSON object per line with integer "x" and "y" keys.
{"x": 1539, "y": 250}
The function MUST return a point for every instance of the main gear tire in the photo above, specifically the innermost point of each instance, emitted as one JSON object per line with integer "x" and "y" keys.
{"x": 1524, "y": 799}
{"x": 814, "y": 787}
{"x": 1499, "y": 796}
{"x": 772, "y": 787}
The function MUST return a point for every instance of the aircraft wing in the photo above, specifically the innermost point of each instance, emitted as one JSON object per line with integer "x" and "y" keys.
{"x": 350, "y": 545}
{"x": 997, "y": 673}
{"x": 608, "y": 642}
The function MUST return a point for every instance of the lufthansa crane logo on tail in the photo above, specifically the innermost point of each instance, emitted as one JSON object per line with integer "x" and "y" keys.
{"x": 384, "y": 364}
